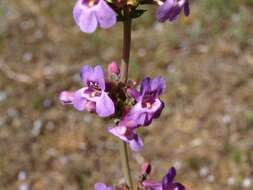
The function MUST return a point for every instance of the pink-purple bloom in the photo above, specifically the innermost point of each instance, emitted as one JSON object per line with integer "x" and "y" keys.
{"x": 167, "y": 182}
{"x": 88, "y": 14}
{"x": 170, "y": 9}
{"x": 149, "y": 105}
{"x": 102, "y": 186}
{"x": 92, "y": 97}
{"x": 125, "y": 130}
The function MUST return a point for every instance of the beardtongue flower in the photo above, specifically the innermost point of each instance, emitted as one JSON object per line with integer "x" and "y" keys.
{"x": 170, "y": 9}
{"x": 102, "y": 186}
{"x": 92, "y": 97}
{"x": 148, "y": 104}
{"x": 125, "y": 131}
{"x": 166, "y": 183}
{"x": 88, "y": 14}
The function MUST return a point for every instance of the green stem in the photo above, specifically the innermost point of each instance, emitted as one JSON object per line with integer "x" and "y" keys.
{"x": 125, "y": 164}
{"x": 123, "y": 79}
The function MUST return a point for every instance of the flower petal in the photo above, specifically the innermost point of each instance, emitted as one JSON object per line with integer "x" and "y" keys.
{"x": 88, "y": 21}
{"x": 104, "y": 105}
{"x": 136, "y": 144}
{"x": 140, "y": 115}
{"x": 158, "y": 84}
{"x": 67, "y": 97}
{"x": 100, "y": 186}
{"x": 85, "y": 72}
{"x": 98, "y": 76}
{"x": 118, "y": 132}
{"x": 179, "y": 186}
{"x": 79, "y": 102}
{"x": 154, "y": 185}
{"x": 186, "y": 8}
{"x": 159, "y": 108}
{"x": 145, "y": 85}
{"x": 105, "y": 15}
{"x": 77, "y": 11}
{"x": 169, "y": 177}
{"x": 164, "y": 11}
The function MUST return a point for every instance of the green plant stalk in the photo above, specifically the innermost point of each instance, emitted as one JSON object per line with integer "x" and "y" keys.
{"x": 123, "y": 79}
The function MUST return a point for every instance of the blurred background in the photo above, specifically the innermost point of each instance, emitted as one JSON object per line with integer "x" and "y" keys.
{"x": 205, "y": 131}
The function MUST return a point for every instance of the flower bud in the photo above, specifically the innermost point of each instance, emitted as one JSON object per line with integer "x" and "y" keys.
{"x": 146, "y": 168}
{"x": 132, "y": 92}
{"x": 113, "y": 68}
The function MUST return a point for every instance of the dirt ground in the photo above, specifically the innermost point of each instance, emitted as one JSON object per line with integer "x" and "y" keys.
{"x": 205, "y": 131}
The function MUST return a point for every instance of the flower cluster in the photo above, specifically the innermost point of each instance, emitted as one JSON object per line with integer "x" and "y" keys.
{"x": 130, "y": 106}
{"x": 89, "y": 14}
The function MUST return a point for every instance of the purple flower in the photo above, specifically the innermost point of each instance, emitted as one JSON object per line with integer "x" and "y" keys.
{"x": 102, "y": 186}
{"x": 125, "y": 131}
{"x": 148, "y": 104}
{"x": 171, "y": 9}
{"x": 88, "y": 14}
{"x": 93, "y": 97}
{"x": 166, "y": 183}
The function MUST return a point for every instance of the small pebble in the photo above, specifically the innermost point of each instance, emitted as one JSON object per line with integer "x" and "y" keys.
{"x": 22, "y": 175}
{"x": 177, "y": 164}
{"x": 210, "y": 178}
{"x": 27, "y": 56}
{"x": 37, "y": 126}
{"x": 204, "y": 171}
{"x": 226, "y": 119}
{"x": 47, "y": 103}
{"x": 171, "y": 69}
{"x": 158, "y": 27}
{"x": 87, "y": 119}
{"x": 50, "y": 125}
{"x": 12, "y": 112}
{"x": 142, "y": 52}
{"x": 24, "y": 186}
{"x": 26, "y": 24}
{"x": 38, "y": 34}
{"x": 246, "y": 182}
{"x": 3, "y": 96}
{"x": 231, "y": 181}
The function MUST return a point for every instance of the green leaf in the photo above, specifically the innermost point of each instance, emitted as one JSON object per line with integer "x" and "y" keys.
{"x": 137, "y": 13}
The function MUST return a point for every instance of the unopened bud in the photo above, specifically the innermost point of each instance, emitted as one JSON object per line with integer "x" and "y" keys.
{"x": 132, "y": 92}
{"x": 146, "y": 168}
{"x": 113, "y": 68}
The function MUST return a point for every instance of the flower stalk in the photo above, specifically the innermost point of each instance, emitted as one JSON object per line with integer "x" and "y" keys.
{"x": 123, "y": 79}
{"x": 125, "y": 50}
